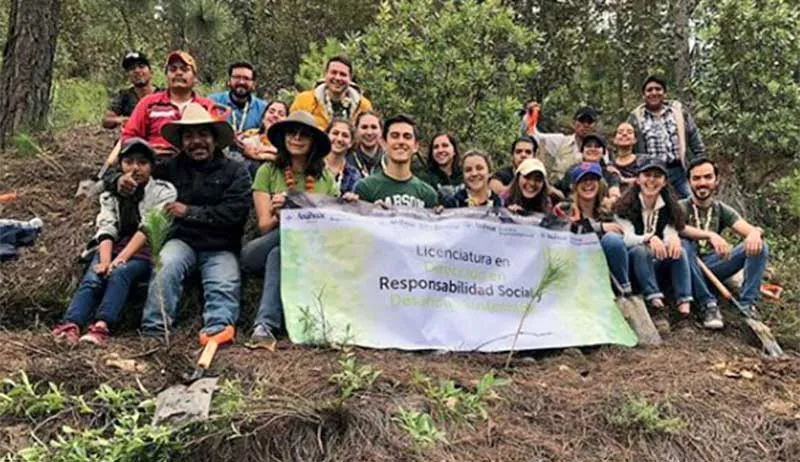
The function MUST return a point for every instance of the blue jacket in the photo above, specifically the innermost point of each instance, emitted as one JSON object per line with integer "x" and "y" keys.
{"x": 252, "y": 119}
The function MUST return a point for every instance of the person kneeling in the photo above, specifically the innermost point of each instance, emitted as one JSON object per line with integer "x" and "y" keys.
{"x": 106, "y": 283}
{"x": 651, "y": 218}
{"x": 707, "y": 219}
{"x": 302, "y": 148}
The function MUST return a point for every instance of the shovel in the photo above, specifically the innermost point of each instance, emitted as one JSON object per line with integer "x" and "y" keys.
{"x": 191, "y": 401}
{"x": 635, "y": 312}
{"x": 91, "y": 188}
{"x": 764, "y": 334}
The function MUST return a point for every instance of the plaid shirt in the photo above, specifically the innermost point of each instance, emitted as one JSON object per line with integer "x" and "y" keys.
{"x": 660, "y": 135}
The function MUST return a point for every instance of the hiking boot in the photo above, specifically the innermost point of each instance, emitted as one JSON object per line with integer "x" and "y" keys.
{"x": 712, "y": 319}
{"x": 97, "y": 334}
{"x": 263, "y": 337}
{"x": 67, "y": 332}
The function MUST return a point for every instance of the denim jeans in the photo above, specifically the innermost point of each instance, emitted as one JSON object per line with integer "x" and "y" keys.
{"x": 679, "y": 182}
{"x": 264, "y": 254}
{"x": 646, "y": 267}
{"x": 617, "y": 258}
{"x": 110, "y": 292}
{"x": 219, "y": 271}
{"x": 753, "y": 272}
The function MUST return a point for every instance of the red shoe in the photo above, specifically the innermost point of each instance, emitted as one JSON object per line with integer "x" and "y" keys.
{"x": 68, "y": 332}
{"x": 97, "y": 334}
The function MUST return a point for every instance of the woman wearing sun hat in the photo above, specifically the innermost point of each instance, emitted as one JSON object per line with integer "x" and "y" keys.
{"x": 299, "y": 167}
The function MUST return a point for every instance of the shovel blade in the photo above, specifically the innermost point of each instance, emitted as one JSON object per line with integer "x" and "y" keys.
{"x": 635, "y": 311}
{"x": 764, "y": 334}
{"x": 181, "y": 404}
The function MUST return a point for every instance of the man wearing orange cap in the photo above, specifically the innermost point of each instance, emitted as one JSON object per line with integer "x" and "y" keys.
{"x": 156, "y": 110}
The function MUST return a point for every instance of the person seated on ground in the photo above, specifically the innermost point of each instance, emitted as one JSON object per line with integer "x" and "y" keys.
{"x": 367, "y": 155}
{"x": 443, "y": 170}
{"x": 522, "y": 148}
{"x": 340, "y": 132}
{"x": 592, "y": 150}
{"x": 477, "y": 168}
{"x": 707, "y": 218}
{"x": 255, "y": 139}
{"x": 559, "y": 151}
{"x": 208, "y": 223}
{"x": 335, "y": 97}
{"x": 395, "y": 184}
{"x": 530, "y": 192}
{"x": 300, "y": 167}
{"x": 162, "y": 107}
{"x": 246, "y": 109}
{"x": 665, "y": 129}
{"x": 624, "y": 164}
{"x": 138, "y": 68}
{"x": 651, "y": 217}
{"x": 586, "y": 211}
{"x": 122, "y": 256}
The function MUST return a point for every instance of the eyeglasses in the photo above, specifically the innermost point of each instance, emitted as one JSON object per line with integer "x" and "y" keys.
{"x": 298, "y": 131}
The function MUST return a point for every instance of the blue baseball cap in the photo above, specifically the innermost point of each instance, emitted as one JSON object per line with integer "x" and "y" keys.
{"x": 586, "y": 168}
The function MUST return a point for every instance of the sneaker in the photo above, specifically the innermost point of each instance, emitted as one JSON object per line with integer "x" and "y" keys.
{"x": 712, "y": 319}
{"x": 97, "y": 334}
{"x": 67, "y": 332}
{"x": 263, "y": 337}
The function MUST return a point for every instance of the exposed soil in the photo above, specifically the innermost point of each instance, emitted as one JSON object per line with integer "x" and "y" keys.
{"x": 735, "y": 405}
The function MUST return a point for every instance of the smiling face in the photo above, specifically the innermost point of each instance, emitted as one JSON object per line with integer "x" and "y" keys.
{"x": 703, "y": 181}
{"x": 583, "y": 126}
{"x": 588, "y": 188}
{"x": 368, "y": 131}
{"x": 476, "y": 173}
{"x": 651, "y": 182}
{"x": 401, "y": 142}
{"x": 443, "y": 151}
{"x": 298, "y": 141}
{"x": 531, "y": 184}
{"x": 337, "y": 77}
{"x": 654, "y": 95}
{"x": 341, "y": 138}
{"x": 180, "y": 75}
{"x": 625, "y": 136}
{"x": 198, "y": 142}
{"x": 592, "y": 151}
{"x": 241, "y": 81}
{"x": 275, "y": 113}
{"x": 522, "y": 150}
{"x": 139, "y": 74}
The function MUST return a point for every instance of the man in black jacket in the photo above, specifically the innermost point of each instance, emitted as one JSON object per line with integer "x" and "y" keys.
{"x": 208, "y": 223}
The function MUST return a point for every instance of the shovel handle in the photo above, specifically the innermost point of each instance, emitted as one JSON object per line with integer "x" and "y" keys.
{"x": 726, "y": 294}
{"x": 208, "y": 354}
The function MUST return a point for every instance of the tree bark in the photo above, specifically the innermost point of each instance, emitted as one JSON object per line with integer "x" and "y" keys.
{"x": 28, "y": 66}
{"x": 682, "y": 57}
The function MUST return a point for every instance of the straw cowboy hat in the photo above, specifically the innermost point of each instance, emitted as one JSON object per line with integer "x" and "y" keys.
{"x": 321, "y": 144}
{"x": 196, "y": 115}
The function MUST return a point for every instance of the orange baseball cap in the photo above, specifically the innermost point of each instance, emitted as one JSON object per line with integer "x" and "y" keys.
{"x": 182, "y": 56}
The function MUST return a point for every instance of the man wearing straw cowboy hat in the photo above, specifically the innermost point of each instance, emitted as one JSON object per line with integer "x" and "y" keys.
{"x": 208, "y": 222}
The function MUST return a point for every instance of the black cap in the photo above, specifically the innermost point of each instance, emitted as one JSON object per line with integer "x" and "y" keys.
{"x": 651, "y": 163}
{"x": 594, "y": 136}
{"x": 138, "y": 146}
{"x": 586, "y": 112}
{"x": 657, "y": 79}
{"x": 132, "y": 58}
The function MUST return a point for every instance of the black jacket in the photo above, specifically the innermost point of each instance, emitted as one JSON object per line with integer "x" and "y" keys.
{"x": 217, "y": 196}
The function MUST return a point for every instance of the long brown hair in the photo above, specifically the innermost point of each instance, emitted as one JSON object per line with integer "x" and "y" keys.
{"x": 598, "y": 209}
{"x": 539, "y": 203}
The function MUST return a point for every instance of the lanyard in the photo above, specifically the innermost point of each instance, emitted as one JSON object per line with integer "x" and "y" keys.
{"x": 244, "y": 117}
{"x": 705, "y": 224}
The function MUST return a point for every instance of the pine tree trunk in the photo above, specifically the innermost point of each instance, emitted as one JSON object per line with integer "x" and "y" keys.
{"x": 28, "y": 65}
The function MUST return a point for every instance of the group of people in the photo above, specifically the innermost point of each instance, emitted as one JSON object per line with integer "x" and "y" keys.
{"x": 208, "y": 161}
